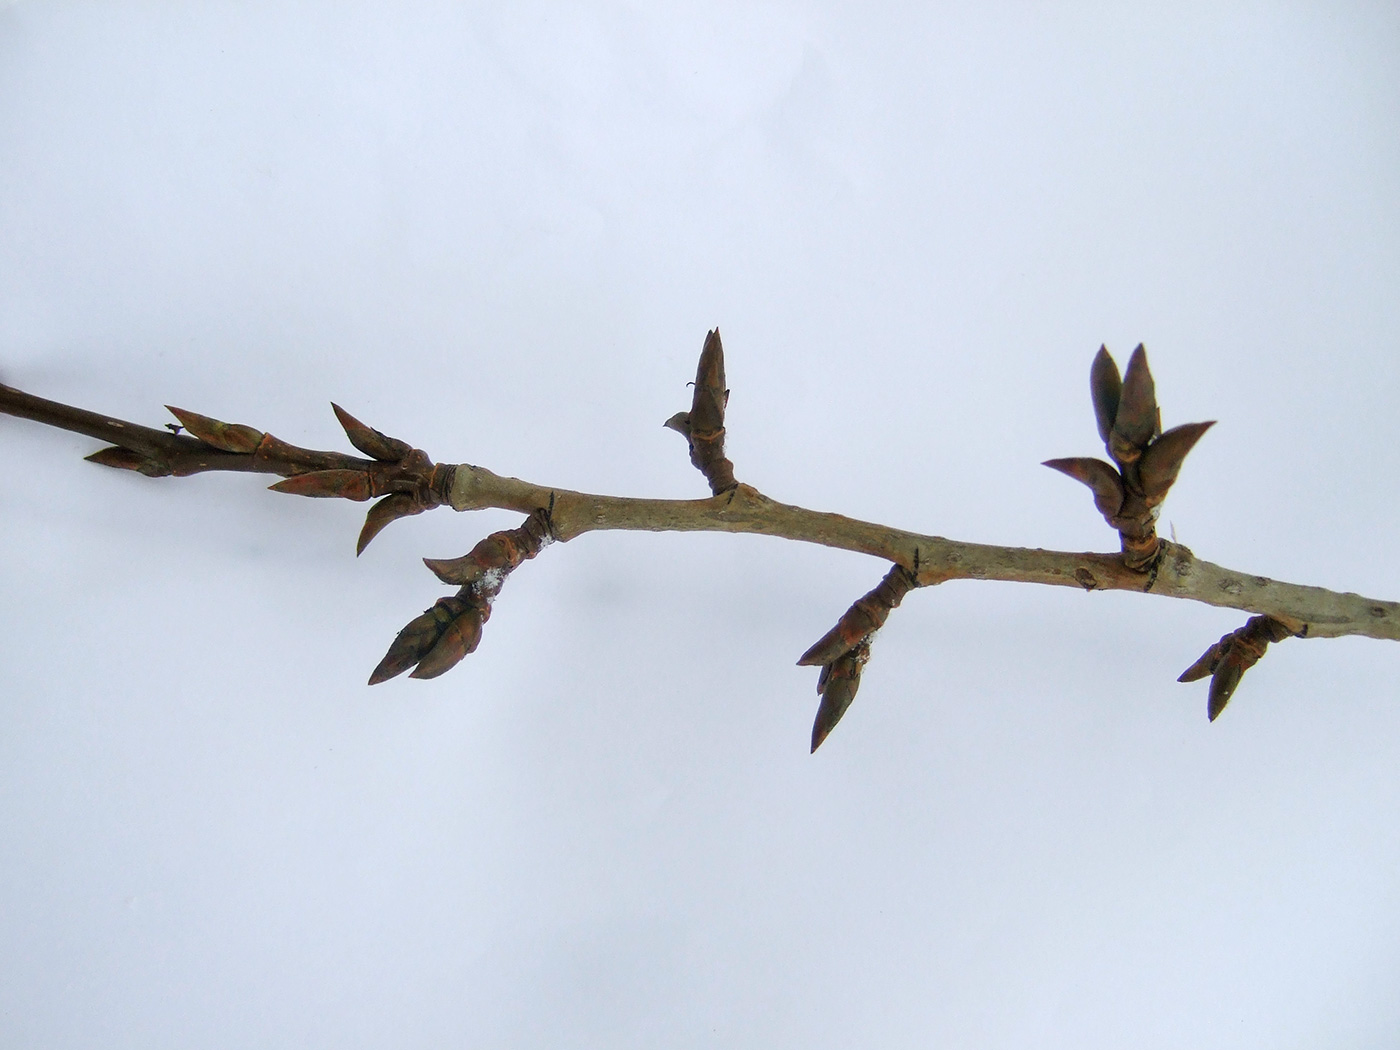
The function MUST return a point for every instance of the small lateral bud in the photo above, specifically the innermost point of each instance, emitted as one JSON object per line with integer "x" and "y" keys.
{"x": 371, "y": 442}
{"x": 327, "y": 484}
{"x": 126, "y": 459}
{"x": 227, "y": 437}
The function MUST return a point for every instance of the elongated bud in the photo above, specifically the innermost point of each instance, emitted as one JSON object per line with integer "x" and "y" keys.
{"x": 226, "y": 437}
{"x": 711, "y": 394}
{"x": 327, "y": 484}
{"x": 459, "y": 638}
{"x": 125, "y": 459}
{"x": 1228, "y": 659}
{"x": 1222, "y": 686}
{"x": 703, "y": 425}
{"x": 1104, "y": 482}
{"x": 1160, "y": 464}
{"x": 419, "y": 636}
{"x": 371, "y": 442}
{"x": 392, "y": 507}
{"x": 837, "y": 687}
{"x": 1137, "y": 420}
{"x": 1105, "y": 387}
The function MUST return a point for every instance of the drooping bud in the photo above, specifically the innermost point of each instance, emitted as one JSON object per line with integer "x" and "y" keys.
{"x": 1228, "y": 659}
{"x": 416, "y": 639}
{"x": 460, "y": 637}
{"x": 866, "y": 615}
{"x": 392, "y": 507}
{"x": 837, "y": 687}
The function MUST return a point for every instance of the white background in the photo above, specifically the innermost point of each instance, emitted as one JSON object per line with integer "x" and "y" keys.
{"x": 501, "y": 232}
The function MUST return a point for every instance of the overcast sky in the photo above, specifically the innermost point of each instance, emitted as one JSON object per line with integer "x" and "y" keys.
{"x": 501, "y": 233}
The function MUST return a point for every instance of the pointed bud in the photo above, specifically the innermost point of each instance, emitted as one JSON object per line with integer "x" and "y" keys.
{"x": 680, "y": 423}
{"x": 1104, "y": 482}
{"x": 415, "y": 640}
{"x": 125, "y": 459}
{"x": 1137, "y": 420}
{"x": 370, "y": 441}
{"x": 1162, "y": 461}
{"x": 390, "y": 508}
{"x": 1105, "y": 387}
{"x": 227, "y": 437}
{"x": 837, "y": 685}
{"x": 1203, "y": 666}
{"x": 711, "y": 396}
{"x": 327, "y": 484}
{"x": 1222, "y": 685}
{"x": 459, "y": 638}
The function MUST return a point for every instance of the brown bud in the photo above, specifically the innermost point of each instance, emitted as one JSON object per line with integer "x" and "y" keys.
{"x": 1137, "y": 421}
{"x": 342, "y": 484}
{"x": 125, "y": 459}
{"x": 370, "y": 441}
{"x": 1104, "y": 482}
{"x": 711, "y": 396}
{"x": 1162, "y": 461}
{"x": 1222, "y": 684}
{"x": 459, "y": 638}
{"x": 865, "y": 616}
{"x": 837, "y": 685}
{"x": 390, "y": 508}
{"x": 1105, "y": 387}
{"x": 227, "y": 437}
{"x": 501, "y": 552}
{"x": 680, "y": 423}
{"x": 416, "y": 639}
{"x": 1228, "y": 659}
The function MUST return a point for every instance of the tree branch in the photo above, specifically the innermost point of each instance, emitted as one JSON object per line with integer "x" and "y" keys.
{"x": 1128, "y": 493}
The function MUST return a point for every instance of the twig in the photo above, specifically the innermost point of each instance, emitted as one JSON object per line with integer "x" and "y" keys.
{"x": 1128, "y": 495}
